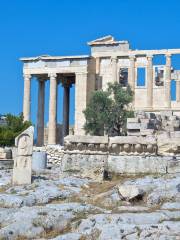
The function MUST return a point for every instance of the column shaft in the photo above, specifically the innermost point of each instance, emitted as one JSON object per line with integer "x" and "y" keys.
{"x": 167, "y": 83}
{"x": 27, "y": 97}
{"x": 131, "y": 77}
{"x": 178, "y": 90}
{"x": 114, "y": 69}
{"x": 81, "y": 97}
{"x": 52, "y": 109}
{"x": 149, "y": 82}
{"x": 97, "y": 65}
{"x": 66, "y": 110}
{"x": 40, "y": 113}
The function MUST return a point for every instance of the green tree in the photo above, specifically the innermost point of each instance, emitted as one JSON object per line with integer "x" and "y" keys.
{"x": 108, "y": 111}
{"x": 12, "y": 129}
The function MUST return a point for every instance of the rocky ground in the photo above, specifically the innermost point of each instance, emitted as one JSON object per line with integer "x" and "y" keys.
{"x": 73, "y": 208}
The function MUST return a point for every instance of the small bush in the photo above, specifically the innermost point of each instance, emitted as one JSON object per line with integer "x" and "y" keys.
{"x": 15, "y": 125}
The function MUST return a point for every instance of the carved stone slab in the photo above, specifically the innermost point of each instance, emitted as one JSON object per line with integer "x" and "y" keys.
{"x": 22, "y": 170}
{"x": 86, "y": 139}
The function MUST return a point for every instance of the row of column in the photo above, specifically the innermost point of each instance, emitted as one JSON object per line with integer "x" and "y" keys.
{"x": 52, "y": 107}
{"x": 149, "y": 69}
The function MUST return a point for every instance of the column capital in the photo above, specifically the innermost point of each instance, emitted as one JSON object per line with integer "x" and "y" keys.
{"x": 132, "y": 57}
{"x": 149, "y": 57}
{"x": 52, "y": 75}
{"x": 27, "y": 76}
{"x": 168, "y": 55}
{"x": 114, "y": 59}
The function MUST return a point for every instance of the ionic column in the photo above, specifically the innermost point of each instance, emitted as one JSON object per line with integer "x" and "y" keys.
{"x": 114, "y": 69}
{"x": 178, "y": 90}
{"x": 149, "y": 82}
{"x": 40, "y": 113}
{"x": 66, "y": 109}
{"x": 131, "y": 78}
{"x": 27, "y": 97}
{"x": 52, "y": 109}
{"x": 167, "y": 83}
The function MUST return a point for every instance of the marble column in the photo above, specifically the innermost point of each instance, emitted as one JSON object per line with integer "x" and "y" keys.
{"x": 97, "y": 65}
{"x": 81, "y": 97}
{"x": 178, "y": 90}
{"x": 52, "y": 109}
{"x": 40, "y": 113}
{"x": 131, "y": 73}
{"x": 27, "y": 97}
{"x": 114, "y": 69}
{"x": 167, "y": 83}
{"x": 149, "y": 82}
{"x": 66, "y": 109}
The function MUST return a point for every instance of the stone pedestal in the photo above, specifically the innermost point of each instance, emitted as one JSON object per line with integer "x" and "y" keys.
{"x": 27, "y": 97}
{"x": 40, "y": 113}
{"x": 22, "y": 170}
{"x": 52, "y": 109}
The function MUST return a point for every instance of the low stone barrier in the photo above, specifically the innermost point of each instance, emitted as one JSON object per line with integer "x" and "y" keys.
{"x": 95, "y": 157}
{"x": 133, "y": 145}
{"x": 86, "y": 143}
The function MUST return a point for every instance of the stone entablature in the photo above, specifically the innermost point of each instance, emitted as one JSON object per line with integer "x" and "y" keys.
{"x": 109, "y": 61}
{"x": 122, "y": 145}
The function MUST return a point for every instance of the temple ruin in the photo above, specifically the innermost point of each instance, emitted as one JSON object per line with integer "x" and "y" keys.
{"x": 109, "y": 61}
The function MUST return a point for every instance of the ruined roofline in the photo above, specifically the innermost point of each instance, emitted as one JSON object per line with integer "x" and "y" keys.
{"x": 47, "y": 57}
{"x": 107, "y": 40}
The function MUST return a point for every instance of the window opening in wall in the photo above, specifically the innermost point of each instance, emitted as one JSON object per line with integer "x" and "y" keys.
{"x": 173, "y": 90}
{"x": 141, "y": 76}
{"x": 123, "y": 76}
{"x": 159, "y": 76}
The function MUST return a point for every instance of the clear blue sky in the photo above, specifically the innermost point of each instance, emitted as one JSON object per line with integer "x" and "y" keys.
{"x": 62, "y": 27}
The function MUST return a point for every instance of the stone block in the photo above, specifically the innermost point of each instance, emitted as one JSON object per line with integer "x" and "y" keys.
{"x": 136, "y": 165}
{"x": 5, "y": 153}
{"x": 146, "y": 132}
{"x": 167, "y": 144}
{"x": 133, "y": 125}
{"x": 173, "y": 166}
{"x": 86, "y": 139}
{"x": 175, "y": 134}
{"x": 144, "y": 125}
{"x": 133, "y": 132}
{"x": 132, "y": 140}
{"x": 144, "y": 120}
{"x": 84, "y": 165}
{"x": 129, "y": 192}
{"x": 132, "y": 120}
{"x": 166, "y": 113}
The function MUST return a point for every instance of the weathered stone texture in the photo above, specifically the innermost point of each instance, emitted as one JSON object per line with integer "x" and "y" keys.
{"x": 23, "y": 162}
{"x": 137, "y": 165}
{"x": 84, "y": 165}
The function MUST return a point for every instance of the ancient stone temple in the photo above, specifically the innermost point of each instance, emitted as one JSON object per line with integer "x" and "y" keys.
{"x": 109, "y": 61}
